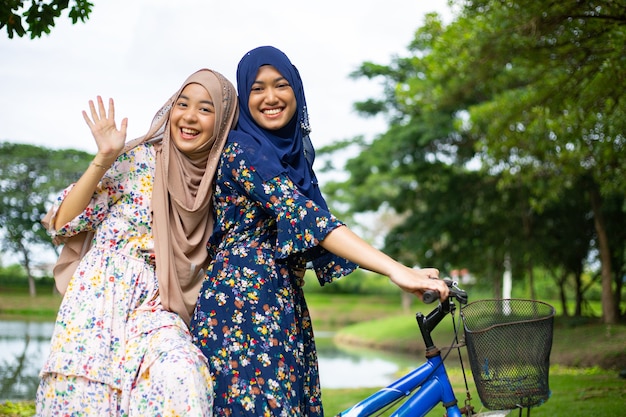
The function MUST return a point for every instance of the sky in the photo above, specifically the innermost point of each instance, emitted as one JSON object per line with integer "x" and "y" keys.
{"x": 139, "y": 52}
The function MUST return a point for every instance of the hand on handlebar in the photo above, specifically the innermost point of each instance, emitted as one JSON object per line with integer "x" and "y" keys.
{"x": 431, "y": 295}
{"x": 419, "y": 281}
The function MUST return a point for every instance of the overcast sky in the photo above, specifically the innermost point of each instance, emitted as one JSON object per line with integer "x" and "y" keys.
{"x": 140, "y": 51}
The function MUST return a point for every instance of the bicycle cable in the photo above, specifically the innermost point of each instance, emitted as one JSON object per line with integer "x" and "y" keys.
{"x": 468, "y": 396}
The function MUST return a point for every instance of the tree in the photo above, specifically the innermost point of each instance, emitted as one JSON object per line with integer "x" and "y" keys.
{"x": 478, "y": 159}
{"x": 549, "y": 104}
{"x": 40, "y": 15}
{"x": 453, "y": 216}
{"x": 29, "y": 177}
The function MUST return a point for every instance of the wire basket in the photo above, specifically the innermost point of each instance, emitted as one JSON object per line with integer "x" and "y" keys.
{"x": 508, "y": 344}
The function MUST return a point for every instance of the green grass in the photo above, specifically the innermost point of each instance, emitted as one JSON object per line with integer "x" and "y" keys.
{"x": 16, "y": 304}
{"x": 586, "y": 355}
{"x": 575, "y": 393}
{"x": 19, "y": 409}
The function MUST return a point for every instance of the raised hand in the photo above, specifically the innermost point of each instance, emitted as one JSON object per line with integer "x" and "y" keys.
{"x": 110, "y": 142}
{"x": 109, "y": 139}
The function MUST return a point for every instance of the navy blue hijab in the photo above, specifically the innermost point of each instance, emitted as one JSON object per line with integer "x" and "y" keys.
{"x": 291, "y": 145}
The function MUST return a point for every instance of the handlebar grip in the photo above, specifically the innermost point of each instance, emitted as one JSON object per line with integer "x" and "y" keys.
{"x": 429, "y": 296}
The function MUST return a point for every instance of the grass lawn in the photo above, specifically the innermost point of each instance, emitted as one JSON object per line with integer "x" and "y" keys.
{"x": 575, "y": 393}
{"x": 586, "y": 358}
{"x": 18, "y": 305}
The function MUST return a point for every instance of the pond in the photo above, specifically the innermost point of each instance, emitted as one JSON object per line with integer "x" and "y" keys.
{"x": 25, "y": 345}
{"x": 23, "y": 348}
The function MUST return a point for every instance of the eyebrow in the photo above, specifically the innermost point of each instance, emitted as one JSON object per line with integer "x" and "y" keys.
{"x": 274, "y": 80}
{"x": 209, "y": 102}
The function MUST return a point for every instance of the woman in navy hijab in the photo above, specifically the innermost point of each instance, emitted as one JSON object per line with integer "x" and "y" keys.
{"x": 251, "y": 320}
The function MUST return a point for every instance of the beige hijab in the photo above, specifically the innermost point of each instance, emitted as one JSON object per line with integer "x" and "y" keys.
{"x": 181, "y": 201}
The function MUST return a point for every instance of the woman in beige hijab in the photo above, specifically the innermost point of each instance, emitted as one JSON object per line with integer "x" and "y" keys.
{"x": 135, "y": 228}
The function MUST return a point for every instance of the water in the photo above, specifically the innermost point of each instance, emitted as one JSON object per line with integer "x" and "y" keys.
{"x": 23, "y": 348}
{"x": 348, "y": 367}
{"x": 25, "y": 345}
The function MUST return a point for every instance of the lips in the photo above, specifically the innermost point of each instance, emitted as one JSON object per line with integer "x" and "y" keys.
{"x": 272, "y": 112}
{"x": 188, "y": 133}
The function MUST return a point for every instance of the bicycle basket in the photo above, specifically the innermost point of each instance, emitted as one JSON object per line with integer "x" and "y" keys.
{"x": 508, "y": 344}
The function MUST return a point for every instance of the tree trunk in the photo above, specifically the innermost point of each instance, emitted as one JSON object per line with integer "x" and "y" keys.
{"x": 507, "y": 278}
{"x": 531, "y": 279}
{"x": 492, "y": 274}
{"x": 619, "y": 284}
{"x": 29, "y": 273}
{"x": 609, "y": 312}
{"x": 31, "y": 280}
{"x": 561, "y": 282}
{"x": 527, "y": 222}
{"x": 578, "y": 312}
{"x": 406, "y": 300}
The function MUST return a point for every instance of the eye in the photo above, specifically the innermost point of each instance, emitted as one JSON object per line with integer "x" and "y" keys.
{"x": 256, "y": 89}
{"x": 207, "y": 109}
{"x": 181, "y": 104}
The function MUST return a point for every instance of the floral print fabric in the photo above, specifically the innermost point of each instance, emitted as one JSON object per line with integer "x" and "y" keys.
{"x": 115, "y": 351}
{"x": 251, "y": 320}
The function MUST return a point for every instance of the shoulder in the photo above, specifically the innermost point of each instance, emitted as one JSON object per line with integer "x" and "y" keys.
{"x": 243, "y": 145}
{"x": 242, "y": 140}
{"x": 245, "y": 150}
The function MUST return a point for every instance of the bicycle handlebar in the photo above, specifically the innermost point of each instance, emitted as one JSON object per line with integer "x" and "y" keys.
{"x": 430, "y": 296}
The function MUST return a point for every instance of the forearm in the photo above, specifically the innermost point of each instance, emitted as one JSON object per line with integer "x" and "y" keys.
{"x": 343, "y": 242}
{"x": 80, "y": 195}
{"x": 110, "y": 142}
{"x": 346, "y": 244}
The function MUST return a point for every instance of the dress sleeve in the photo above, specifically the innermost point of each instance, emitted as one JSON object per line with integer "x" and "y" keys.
{"x": 300, "y": 223}
{"x": 103, "y": 198}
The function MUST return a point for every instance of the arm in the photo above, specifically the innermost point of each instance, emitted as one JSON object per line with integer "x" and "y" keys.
{"x": 110, "y": 142}
{"x": 343, "y": 242}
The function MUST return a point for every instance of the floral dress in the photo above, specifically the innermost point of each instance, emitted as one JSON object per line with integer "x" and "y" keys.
{"x": 251, "y": 319}
{"x": 115, "y": 351}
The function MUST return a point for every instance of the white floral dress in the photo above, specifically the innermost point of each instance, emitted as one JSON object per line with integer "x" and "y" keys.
{"x": 115, "y": 351}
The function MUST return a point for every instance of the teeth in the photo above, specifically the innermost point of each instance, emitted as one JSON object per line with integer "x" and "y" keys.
{"x": 189, "y": 131}
{"x": 272, "y": 111}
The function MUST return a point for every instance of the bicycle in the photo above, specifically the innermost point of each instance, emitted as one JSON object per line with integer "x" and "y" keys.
{"x": 504, "y": 383}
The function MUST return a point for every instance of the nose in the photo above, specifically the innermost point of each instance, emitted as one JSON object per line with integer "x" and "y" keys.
{"x": 270, "y": 96}
{"x": 189, "y": 115}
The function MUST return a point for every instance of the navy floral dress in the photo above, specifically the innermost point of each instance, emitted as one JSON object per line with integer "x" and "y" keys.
{"x": 251, "y": 319}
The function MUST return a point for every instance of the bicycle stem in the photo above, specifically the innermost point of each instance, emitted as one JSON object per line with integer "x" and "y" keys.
{"x": 428, "y": 323}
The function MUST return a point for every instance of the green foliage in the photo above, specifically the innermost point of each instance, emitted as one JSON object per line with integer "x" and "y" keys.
{"x": 18, "y": 282}
{"x": 12, "y": 272}
{"x": 505, "y": 140}
{"x": 359, "y": 282}
{"x": 17, "y": 409}
{"x": 40, "y": 15}
{"x": 30, "y": 177}
{"x": 553, "y": 109}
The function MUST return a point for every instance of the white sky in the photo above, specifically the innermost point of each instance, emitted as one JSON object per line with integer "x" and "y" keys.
{"x": 140, "y": 51}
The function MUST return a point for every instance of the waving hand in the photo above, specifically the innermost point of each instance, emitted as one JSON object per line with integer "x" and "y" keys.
{"x": 109, "y": 139}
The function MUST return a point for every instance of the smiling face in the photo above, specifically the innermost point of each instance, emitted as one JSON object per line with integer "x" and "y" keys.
{"x": 192, "y": 118}
{"x": 272, "y": 102}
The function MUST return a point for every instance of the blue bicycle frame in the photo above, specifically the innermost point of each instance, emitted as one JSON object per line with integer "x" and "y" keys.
{"x": 430, "y": 379}
{"x": 434, "y": 387}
